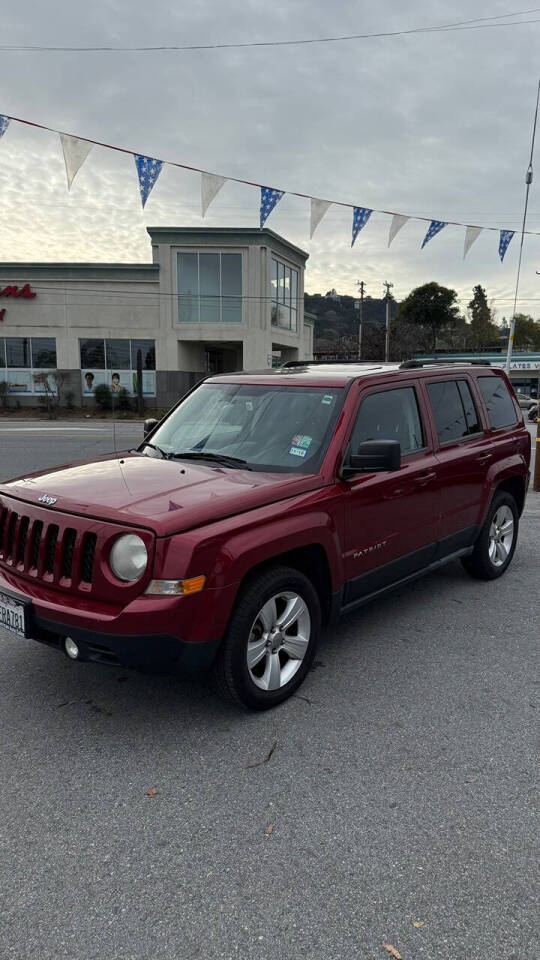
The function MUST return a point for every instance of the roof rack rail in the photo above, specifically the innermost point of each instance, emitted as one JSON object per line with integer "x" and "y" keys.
{"x": 439, "y": 361}
{"x": 326, "y": 363}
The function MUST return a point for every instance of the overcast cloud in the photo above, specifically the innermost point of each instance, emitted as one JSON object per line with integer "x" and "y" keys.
{"x": 434, "y": 125}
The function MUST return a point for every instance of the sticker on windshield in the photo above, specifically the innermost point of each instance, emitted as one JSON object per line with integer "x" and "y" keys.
{"x": 301, "y": 440}
{"x": 298, "y": 451}
{"x": 327, "y": 398}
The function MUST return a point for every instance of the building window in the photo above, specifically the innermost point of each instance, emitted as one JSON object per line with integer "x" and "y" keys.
{"x": 114, "y": 362}
{"x": 284, "y": 296}
{"x": 24, "y": 358}
{"x": 210, "y": 287}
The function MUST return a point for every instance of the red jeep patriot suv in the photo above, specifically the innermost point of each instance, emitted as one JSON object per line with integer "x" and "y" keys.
{"x": 260, "y": 508}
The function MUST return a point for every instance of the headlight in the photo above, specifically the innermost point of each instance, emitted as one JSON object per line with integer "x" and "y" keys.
{"x": 128, "y": 557}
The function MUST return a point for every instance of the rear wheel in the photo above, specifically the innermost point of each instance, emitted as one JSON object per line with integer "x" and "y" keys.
{"x": 497, "y": 540}
{"x": 271, "y": 640}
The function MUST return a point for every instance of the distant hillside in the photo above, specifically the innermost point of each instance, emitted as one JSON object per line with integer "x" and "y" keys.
{"x": 337, "y": 317}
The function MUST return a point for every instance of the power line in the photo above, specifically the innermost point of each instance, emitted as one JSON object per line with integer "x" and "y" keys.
{"x": 477, "y": 23}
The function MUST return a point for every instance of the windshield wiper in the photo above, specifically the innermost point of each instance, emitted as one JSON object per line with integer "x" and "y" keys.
{"x": 216, "y": 457}
{"x": 155, "y": 447}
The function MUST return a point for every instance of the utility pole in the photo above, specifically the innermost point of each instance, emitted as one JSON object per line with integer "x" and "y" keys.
{"x": 536, "y": 480}
{"x": 361, "y": 285}
{"x": 387, "y": 337}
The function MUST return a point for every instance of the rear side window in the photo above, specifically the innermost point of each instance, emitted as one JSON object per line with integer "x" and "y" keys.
{"x": 454, "y": 410}
{"x": 499, "y": 404}
{"x": 389, "y": 415}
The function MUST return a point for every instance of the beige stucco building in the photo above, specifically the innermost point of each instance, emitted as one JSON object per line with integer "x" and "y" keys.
{"x": 211, "y": 300}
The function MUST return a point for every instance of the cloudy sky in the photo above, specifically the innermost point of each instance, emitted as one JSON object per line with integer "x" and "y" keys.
{"x": 434, "y": 124}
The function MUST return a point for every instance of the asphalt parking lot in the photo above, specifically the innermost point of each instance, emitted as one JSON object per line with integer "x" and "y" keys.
{"x": 394, "y": 800}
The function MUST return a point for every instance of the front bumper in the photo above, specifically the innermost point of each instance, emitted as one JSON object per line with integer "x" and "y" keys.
{"x": 149, "y": 633}
{"x": 150, "y": 653}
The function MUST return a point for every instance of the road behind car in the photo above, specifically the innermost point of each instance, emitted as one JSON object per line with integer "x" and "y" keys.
{"x": 141, "y": 817}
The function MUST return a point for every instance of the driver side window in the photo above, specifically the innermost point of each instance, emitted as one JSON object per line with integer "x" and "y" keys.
{"x": 390, "y": 415}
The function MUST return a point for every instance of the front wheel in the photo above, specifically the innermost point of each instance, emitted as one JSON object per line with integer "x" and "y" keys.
{"x": 271, "y": 640}
{"x": 497, "y": 540}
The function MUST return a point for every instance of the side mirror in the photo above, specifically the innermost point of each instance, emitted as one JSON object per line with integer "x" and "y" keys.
{"x": 149, "y": 425}
{"x": 374, "y": 456}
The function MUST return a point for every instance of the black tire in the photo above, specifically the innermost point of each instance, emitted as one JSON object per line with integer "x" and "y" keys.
{"x": 232, "y": 678}
{"x": 479, "y": 564}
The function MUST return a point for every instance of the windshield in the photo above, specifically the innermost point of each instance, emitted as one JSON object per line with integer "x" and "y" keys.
{"x": 276, "y": 428}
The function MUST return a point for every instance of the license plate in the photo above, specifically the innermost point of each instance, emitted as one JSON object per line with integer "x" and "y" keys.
{"x": 12, "y": 615}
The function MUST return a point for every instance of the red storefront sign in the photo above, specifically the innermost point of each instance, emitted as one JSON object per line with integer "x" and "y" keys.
{"x": 12, "y": 290}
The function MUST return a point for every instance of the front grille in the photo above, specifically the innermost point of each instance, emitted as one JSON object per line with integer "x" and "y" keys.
{"x": 69, "y": 547}
{"x": 44, "y": 549}
{"x": 87, "y": 561}
{"x": 23, "y": 534}
{"x": 37, "y": 531}
{"x": 50, "y": 548}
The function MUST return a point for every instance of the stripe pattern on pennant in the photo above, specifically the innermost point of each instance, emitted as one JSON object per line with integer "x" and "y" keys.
{"x": 269, "y": 199}
{"x": 435, "y": 227}
{"x": 4, "y": 124}
{"x": 148, "y": 170}
{"x": 504, "y": 241}
{"x": 361, "y": 216}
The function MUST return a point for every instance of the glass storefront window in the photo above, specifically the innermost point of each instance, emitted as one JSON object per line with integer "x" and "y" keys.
{"x": 44, "y": 352}
{"x": 23, "y": 358}
{"x": 210, "y": 287}
{"x": 18, "y": 352}
{"x": 93, "y": 354}
{"x": 114, "y": 362}
{"x": 284, "y": 295}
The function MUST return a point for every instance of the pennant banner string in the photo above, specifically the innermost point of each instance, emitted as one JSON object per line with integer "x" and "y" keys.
{"x": 249, "y": 183}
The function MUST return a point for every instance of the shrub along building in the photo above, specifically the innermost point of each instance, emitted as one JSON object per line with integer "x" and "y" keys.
{"x": 212, "y": 301}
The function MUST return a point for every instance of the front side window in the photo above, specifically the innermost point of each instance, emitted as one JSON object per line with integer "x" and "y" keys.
{"x": 272, "y": 428}
{"x": 210, "y": 287}
{"x": 389, "y": 415}
{"x": 499, "y": 405}
{"x": 454, "y": 410}
{"x": 284, "y": 295}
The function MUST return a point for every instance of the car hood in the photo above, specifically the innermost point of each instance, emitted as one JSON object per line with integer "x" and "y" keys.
{"x": 164, "y": 495}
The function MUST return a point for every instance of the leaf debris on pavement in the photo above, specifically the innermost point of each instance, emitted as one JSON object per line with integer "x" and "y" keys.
{"x": 418, "y": 923}
{"x": 392, "y": 951}
{"x": 259, "y": 763}
{"x": 152, "y": 792}
{"x": 269, "y": 830}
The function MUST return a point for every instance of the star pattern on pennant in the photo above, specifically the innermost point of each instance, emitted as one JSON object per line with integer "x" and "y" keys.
{"x": 4, "y": 124}
{"x": 504, "y": 240}
{"x": 269, "y": 199}
{"x": 435, "y": 227}
{"x": 148, "y": 170}
{"x": 361, "y": 216}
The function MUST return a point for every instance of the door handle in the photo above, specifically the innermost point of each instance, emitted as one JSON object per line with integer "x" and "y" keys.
{"x": 424, "y": 479}
{"x": 484, "y": 457}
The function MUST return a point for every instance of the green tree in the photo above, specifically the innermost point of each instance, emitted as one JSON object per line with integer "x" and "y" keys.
{"x": 431, "y": 307}
{"x": 483, "y": 332}
{"x": 527, "y": 333}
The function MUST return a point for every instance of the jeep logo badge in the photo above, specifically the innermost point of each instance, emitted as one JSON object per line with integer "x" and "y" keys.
{"x": 46, "y": 499}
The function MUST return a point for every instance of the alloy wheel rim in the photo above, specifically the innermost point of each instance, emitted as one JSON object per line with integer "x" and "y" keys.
{"x": 501, "y": 536}
{"x": 278, "y": 640}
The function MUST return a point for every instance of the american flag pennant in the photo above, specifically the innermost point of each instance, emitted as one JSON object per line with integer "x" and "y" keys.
{"x": 504, "y": 241}
{"x": 269, "y": 199}
{"x": 361, "y": 216}
{"x": 148, "y": 170}
{"x": 435, "y": 227}
{"x": 4, "y": 124}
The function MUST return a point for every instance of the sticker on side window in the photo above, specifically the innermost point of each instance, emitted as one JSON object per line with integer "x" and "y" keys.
{"x": 327, "y": 398}
{"x": 298, "y": 451}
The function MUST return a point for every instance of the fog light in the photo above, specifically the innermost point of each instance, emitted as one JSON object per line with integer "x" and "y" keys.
{"x": 71, "y": 648}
